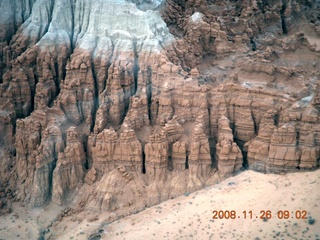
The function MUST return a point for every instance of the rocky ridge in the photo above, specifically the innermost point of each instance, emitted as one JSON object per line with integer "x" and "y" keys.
{"x": 119, "y": 105}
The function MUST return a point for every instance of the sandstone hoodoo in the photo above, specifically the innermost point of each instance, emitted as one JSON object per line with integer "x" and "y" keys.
{"x": 119, "y": 105}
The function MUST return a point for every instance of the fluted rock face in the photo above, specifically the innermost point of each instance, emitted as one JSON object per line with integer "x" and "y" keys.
{"x": 102, "y": 148}
{"x": 228, "y": 154}
{"x": 137, "y": 116}
{"x": 128, "y": 151}
{"x": 258, "y": 148}
{"x": 45, "y": 157}
{"x": 110, "y": 150}
{"x": 14, "y": 14}
{"x": 156, "y": 155}
{"x": 7, "y": 118}
{"x": 69, "y": 171}
{"x": 309, "y": 151}
{"x": 199, "y": 158}
{"x": 77, "y": 93}
{"x": 179, "y": 156}
{"x": 129, "y": 103}
{"x": 283, "y": 152}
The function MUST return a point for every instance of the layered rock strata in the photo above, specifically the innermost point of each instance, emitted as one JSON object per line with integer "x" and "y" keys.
{"x": 228, "y": 154}
{"x": 129, "y": 103}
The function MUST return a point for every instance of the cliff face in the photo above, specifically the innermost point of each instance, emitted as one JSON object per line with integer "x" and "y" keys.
{"x": 118, "y": 105}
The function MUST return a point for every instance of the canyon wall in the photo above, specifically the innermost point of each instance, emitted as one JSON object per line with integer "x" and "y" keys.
{"x": 119, "y": 105}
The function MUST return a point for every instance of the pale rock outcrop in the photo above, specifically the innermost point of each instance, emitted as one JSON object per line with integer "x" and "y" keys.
{"x": 199, "y": 160}
{"x": 101, "y": 117}
{"x": 191, "y": 101}
{"x": 137, "y": 116}
{"x": 228, "y": 154}
{"x": 239, "y": 110}
{"x": 165, "y": 110}
{"x": 283, "y": 154}
{"x": 7, "y": 118}
{"x": 310, "y": 152}
{"x": 156, "y": 156}
{"x": 91, "y": 176}
{"x": 128, "y": 151}
{"x": 179, "y": 156}
{"x": 294, "y": 42}
{"x": 110, "y": 151}
{"x": 244, "y": 125}
{"x": 69, "y": 171}
{"x": 309, "y": 138}
{"x": 119, "y": 190}
{"x": 46, "y": 88}
{"x": 173, "y": 130}
{"x": 103, "y": 147}
{"x": 17, "y": 88}
{"x": 120, "y": 86}
{"x": 258, "y": 148}
{"x": 77, "y": 91}
{"x": 316, "y": 98}
{"x": 45, "y": 158}
{"x": 28, "y": 139}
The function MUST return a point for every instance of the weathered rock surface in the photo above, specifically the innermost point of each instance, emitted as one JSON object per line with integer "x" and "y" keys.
{"x": 118, "y": 105}
{"x": 258, "y": 148}
{"x": 228, "y": 154}
{"x": 69, "y": 171}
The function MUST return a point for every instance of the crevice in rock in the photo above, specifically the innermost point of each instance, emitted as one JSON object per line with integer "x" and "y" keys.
{"x": 212, "y": 144}
{"x": 255, "y": 124}
{"x": 187, "y": 159}
{"x": 136, "y": 67}
{"x": 63, "y": 73}
{"x": 262, "y": 4}
{"x": 276, "y": 119}
{"x": 72, "y": 24}
{"x": 108, "y": 66}
{"x": 14, "y": 126}
{"x": 85, "y": 148}
{"x": 297, "y": 147}
{"x": 143, "y": 170}
{"x": 149, "y": 91}
{"x": 56, "y": 79}
{"x": 33, "y": 87}
{"x": 126, "y": 97}
{"x": 297, "y": 138}
{"x": 51, "y": 167}
{"x": 244, "y": 153}
{"x": 283, "y": 17}
{"x": 95, "y": 98}
{"x": 170, "y": 163}
{"x": 253, "y": 44}
{"x": 33, "y": 95}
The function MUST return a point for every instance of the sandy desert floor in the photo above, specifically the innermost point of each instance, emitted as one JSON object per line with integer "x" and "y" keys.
{"x": 190, "y": 216}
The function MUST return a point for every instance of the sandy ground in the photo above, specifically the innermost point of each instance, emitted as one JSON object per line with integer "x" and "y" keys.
{"x": 25, "y": 223}
{"x": 190, "y": 216}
